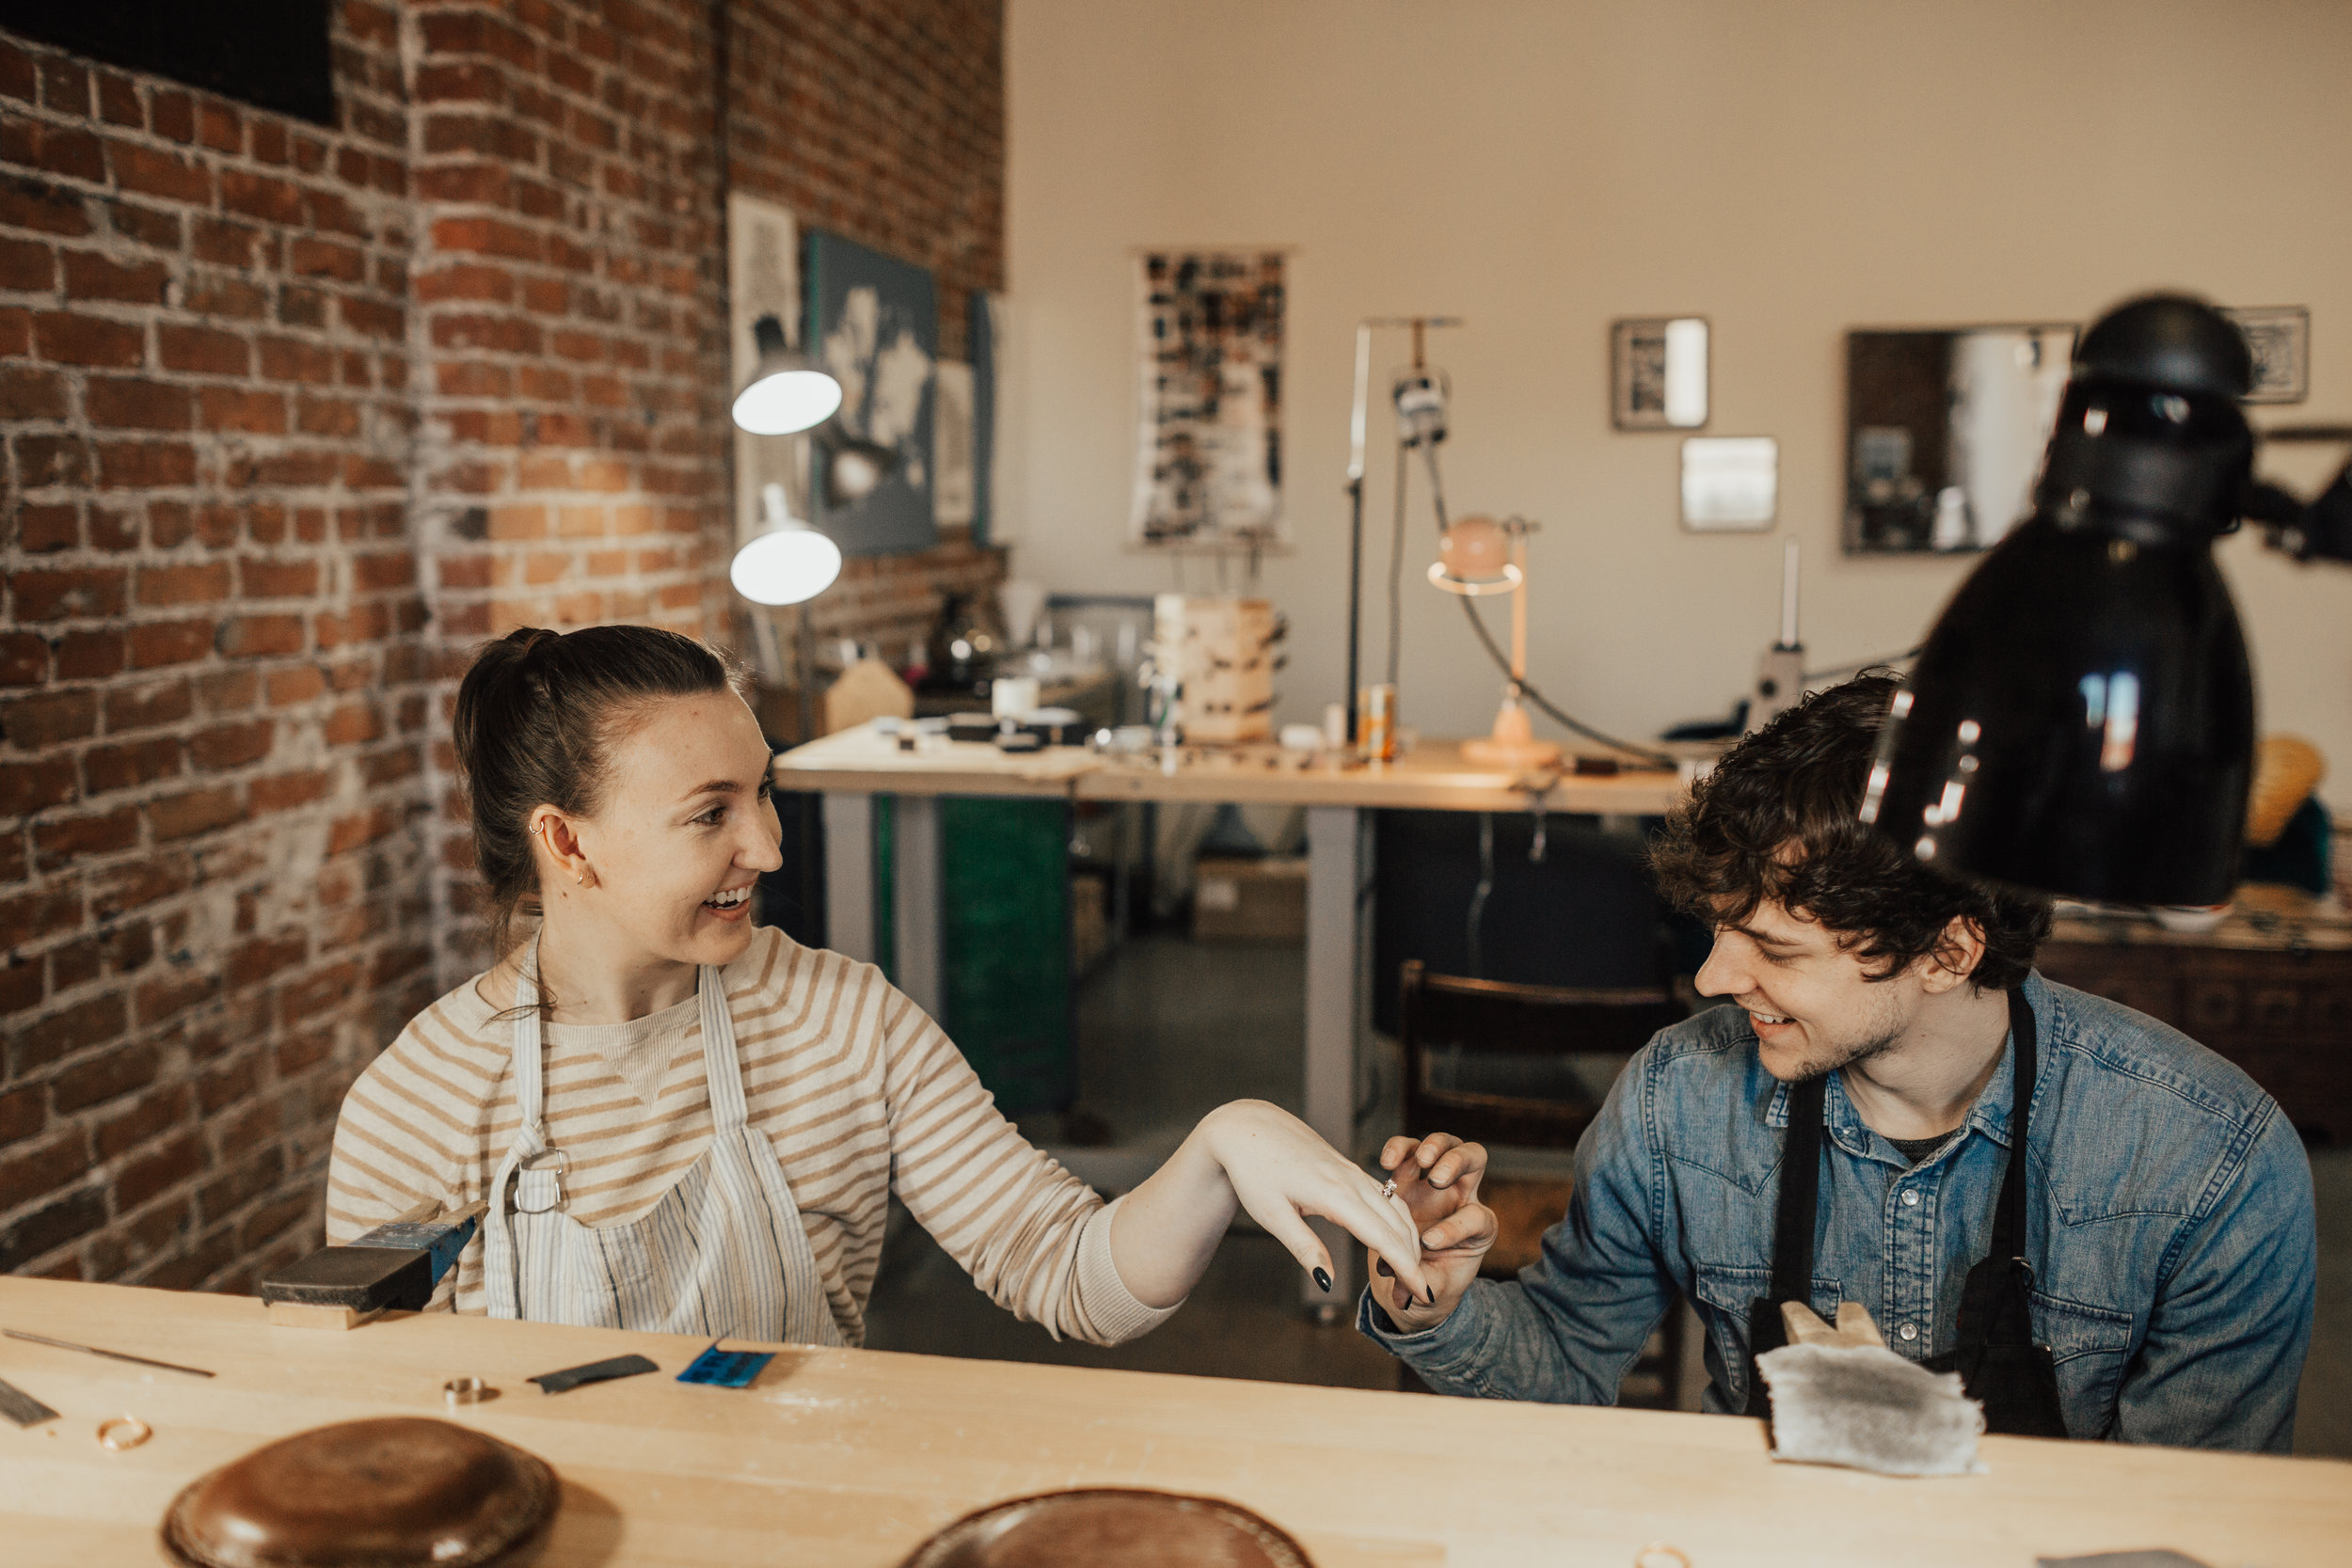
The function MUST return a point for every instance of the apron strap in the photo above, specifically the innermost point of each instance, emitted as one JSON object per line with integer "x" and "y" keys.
{"x": 2008, "y": 1220}
{"x": 1793, "y": 1232}
{"x": 723, "y": 1067}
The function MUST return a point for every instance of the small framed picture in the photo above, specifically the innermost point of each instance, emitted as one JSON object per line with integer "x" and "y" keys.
{"x": 2281, "y": 339}
{"x": 1658, "y": 372}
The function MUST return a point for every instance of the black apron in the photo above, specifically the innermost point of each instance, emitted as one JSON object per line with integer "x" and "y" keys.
{"x": 1994, "y": 1355}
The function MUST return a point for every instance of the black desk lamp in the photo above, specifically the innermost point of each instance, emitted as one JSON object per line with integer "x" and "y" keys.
{"x": 2082, "y": 717}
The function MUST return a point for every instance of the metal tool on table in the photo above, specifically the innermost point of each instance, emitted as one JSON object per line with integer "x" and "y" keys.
{"x": 22, "y": 1408}
{"x": 109, "y": 1355}
{"x": 391, "y": 1268}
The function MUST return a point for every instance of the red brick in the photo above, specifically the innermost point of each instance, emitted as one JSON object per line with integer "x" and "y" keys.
{"x": 61, "y": 840}
{"x": 227, "y": 691}
{"x": 129, "y": 764}
{"x": 145, "y": 464}
{"x": 136, "y": 883}
{"x": 219, "y": 127}
{"x": 151, "y": 226}
{"x": 21, "y": 1113}
{"x": 30, "y": 786}
{"x": 56, "y": 1161}
{"x": 125, "y": 403}
{"x": 261, "y": 196}
{"x": 286, "y": 791}
{"x": 259, "y": 579}
{"x": 90, "y": 276}
{"x": 50, "y": 1227}
{"x": 259, "y": 636}
{"x": 195, "y": 811}
{"x": 163, "y": 642}
{"x": 27, "y": 264}
{"x": 167, "y": 996}
{"x": 231, "y": 408}
{"x": 118, "y": 101}
{"x": 42, "y": 528}
{"x": 61, "y": 1034}
{"x": 227, "y": 746}
{"x": 316, "y": 258}
{"x": 64, "y": 85}
{"x": 226, "y": 299}
{"x": 32, "y": 392}
{"x": 158, "y": 173}
{"x": 205, "y": 350}
{"x": 147, "y": 1116}
{"x": 74, "y": 340}
{"x": 94, "y": 1082}
{"x": 172, "y": 113}
{"x": 145, "y": 708}
{"x": 35, "y": 724}
{"x": 231, "y": 242}
{"x": 205, "y": 582}
{"x": 89, "y": 655}
{"x": 77, "y": 592}
{"x": 294, "y": 360}
{"x": 25, "y": 204}
{"x": 177, "y": 1160}
{"x": 352, "y": 726}
{"x": 24, "y": 658}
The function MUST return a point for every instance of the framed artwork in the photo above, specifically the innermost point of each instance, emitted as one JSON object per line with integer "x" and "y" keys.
{"x": 953, "y": 458}
{"x": 874, "y": 327}
{"x": 2280, "y": 337}
{"x": 1658, "y": 372}
{"x": 763, "y": 279}
{"x": 985, "y": 332}
{"x": 1209, "y": 328}
{"x": 1730, "y": 483}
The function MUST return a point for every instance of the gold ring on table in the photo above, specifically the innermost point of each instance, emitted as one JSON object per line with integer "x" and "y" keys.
{"x": 1387, "y": 1188}
{"x": 467, "y": 1391}
{"x": 123, "y": 1433}
{"x": 1658, "y": 1553}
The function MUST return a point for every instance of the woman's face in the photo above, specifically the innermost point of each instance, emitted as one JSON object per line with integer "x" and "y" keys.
{"x": 685, "y": 828}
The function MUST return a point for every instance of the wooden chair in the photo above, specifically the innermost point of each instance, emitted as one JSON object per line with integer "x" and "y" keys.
{"x": 1490, "y": 1061}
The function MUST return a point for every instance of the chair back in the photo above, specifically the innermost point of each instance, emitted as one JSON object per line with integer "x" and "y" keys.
{"x": 1495, "y": 1019}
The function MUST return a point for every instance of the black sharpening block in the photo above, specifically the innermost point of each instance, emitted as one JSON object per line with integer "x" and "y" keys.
{"x": 357, "y": 1280}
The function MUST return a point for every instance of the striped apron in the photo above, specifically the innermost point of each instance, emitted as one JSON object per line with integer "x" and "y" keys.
{"x": 722, "y": 1255}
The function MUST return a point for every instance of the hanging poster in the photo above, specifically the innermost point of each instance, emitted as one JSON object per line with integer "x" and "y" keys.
{"x": 952, "y": 457}
{"x": 874, "y": 327}
{"x": 763, "y": 279}
{"x": 1209, "y": 397}
{"x": 985, "y": 333}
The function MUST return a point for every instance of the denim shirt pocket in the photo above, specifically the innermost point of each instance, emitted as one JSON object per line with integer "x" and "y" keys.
{"x": 2088, "y": 1346}
{"x": 1724, "y": 1296}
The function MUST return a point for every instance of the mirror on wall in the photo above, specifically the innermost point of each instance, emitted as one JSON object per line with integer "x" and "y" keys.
{"x": 1945, "y": 428}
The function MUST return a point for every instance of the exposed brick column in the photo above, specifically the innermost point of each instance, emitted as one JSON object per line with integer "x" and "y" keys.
{"x": 211, "y": 681}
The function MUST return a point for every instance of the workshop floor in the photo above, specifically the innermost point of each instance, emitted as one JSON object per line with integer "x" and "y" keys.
{"x": 1166, "y": 1031}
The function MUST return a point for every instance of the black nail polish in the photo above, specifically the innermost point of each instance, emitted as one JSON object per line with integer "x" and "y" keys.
{"x": 1323, "y": 1278}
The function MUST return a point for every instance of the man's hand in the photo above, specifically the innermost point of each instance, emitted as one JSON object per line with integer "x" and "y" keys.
{"x": 1438, "y": 1178}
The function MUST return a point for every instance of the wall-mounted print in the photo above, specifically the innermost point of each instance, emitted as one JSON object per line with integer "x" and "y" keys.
{"x": 1209, "y": 328}
{"x": 952, "y": 457}
{"x": 987, "y": 337}
{"x": 874, "y": 327}
{"x": 2281, "y": 339}
{"x": 1658, "y": 372}
{"x": 763, "y": 279}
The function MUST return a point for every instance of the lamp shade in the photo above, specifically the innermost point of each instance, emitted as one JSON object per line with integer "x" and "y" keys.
{"x": 786, "y": 393}
{"x": 785, "y": 566}
{"x": 2081, "y": 719}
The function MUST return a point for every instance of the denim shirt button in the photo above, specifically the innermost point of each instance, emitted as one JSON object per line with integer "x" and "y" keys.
{"x": 1911, "y": 1197}
{"x": 1909, "y": 1331}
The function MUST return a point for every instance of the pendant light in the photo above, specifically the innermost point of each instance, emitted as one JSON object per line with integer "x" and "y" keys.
{"x": 2082, "y": 717}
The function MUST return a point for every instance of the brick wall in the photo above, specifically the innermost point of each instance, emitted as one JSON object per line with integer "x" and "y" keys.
{"x": 294, "y": 417}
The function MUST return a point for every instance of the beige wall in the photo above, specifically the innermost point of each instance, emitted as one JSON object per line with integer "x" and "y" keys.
{"x": 1541, "y": 166}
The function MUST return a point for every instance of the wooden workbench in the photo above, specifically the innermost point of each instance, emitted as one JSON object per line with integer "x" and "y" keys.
{"x": 852, "y": 768}
{"x": 846, "y": 1458}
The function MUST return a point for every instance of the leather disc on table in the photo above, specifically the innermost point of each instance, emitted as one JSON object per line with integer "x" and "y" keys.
{"x": 1110, "y": 1527}
{"x": 379, "y": 1494}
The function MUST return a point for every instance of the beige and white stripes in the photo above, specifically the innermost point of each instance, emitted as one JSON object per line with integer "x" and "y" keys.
{"x": 855, "y": 1087}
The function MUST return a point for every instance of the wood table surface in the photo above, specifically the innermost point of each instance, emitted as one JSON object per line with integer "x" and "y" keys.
{"x": 846, "y": 1458}
{"x": 1431, "y": 776}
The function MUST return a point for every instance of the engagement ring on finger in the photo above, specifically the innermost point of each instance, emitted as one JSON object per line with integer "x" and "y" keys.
{"x": 1387, "y": 1188}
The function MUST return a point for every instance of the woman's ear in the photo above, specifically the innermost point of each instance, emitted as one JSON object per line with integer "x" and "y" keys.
{"x": 559, "y": 848}
{"x": 1955, "y": 956}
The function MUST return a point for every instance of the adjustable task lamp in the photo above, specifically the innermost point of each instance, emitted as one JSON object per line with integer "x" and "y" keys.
{"x": 1477, "y": 557}
{"x": 2082, "y": 717}
{"x": 786, "y": 561}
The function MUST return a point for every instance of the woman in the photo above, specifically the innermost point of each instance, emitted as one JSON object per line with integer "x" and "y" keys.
{"x": 682, "y": 1122}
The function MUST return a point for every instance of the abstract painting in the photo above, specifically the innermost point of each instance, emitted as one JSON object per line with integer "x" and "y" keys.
{"x": 874, "y": 327}
{"x": 1209, "y": 397}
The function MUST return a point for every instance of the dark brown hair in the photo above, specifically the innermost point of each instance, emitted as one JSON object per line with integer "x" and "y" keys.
{"x": 537, "y": 717}
{"x": 1779, "y": 820}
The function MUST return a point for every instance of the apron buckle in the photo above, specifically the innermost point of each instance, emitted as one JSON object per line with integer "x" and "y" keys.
{"x": 554, "y": 1181}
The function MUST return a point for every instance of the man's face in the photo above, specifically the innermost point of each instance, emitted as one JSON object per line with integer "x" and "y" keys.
{"x": 1809, "y": 998}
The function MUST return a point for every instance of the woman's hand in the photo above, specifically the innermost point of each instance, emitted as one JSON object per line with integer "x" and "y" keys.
{"x": 1281, "y": 1169}
{"x": 1438, "y": 1178}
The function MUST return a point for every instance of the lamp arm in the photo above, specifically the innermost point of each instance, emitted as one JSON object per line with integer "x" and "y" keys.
{"x": 2320, "y": 530}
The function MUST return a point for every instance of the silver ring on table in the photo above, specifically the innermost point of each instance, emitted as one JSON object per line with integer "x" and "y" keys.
{"x": 123, "y": 1433}
{"x": 1659, "y": 1555}
{"x": 467, "y": 1391}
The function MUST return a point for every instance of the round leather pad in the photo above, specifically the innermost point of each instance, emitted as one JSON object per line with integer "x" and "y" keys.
{"x": 1110, "y": 1527}
{"x": 378, "y": 1494}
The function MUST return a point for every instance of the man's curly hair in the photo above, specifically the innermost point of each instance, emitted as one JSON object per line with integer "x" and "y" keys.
{"x": 1779, "y": 820}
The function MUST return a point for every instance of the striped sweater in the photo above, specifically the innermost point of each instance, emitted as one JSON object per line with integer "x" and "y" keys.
{"x": 857, "y": 1089}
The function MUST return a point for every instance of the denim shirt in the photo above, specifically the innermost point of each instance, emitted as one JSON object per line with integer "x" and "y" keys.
{"x": 2168, "y": 1225}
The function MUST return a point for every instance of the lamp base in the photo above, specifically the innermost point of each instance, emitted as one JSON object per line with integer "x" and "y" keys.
{"x": 1513, "y": 742}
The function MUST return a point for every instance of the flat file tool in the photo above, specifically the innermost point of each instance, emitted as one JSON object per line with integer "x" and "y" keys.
{"x": 22, "y": 1408}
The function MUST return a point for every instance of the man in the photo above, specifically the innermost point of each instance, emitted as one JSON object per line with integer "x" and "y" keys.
{"x": 1885, "y": 1015}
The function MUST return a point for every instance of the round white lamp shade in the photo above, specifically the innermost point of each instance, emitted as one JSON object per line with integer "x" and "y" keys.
{"x": 785, "y": 566}
{"x": 786, "y": 394}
